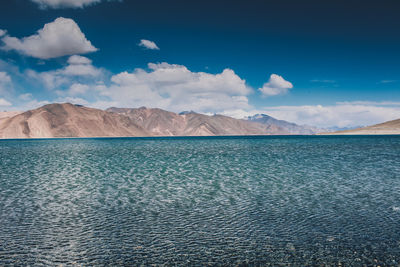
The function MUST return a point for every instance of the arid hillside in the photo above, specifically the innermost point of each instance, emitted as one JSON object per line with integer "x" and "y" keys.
{"x": 68, "y": 120}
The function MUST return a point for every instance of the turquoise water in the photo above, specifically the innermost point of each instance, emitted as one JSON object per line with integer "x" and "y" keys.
{"x": 199, "y": 201}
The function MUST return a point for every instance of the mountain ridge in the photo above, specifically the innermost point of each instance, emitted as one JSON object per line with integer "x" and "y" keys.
{"x": 290, "y": 127}
{"x": 69, "y": 120}
{"x": 166, "y": 123}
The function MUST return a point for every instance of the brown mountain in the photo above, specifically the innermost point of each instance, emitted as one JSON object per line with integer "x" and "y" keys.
{"x": 389, "y": 127}
{"x": 67, "y": 120}
{"x": 164, "y": 123}
{"x": 8, "y": 114}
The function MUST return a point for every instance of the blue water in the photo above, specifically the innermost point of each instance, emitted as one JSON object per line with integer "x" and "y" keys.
{"x": 201, "y": 201}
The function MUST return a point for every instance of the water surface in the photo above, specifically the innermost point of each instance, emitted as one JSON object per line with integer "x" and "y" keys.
{"x": 199, "y": 201}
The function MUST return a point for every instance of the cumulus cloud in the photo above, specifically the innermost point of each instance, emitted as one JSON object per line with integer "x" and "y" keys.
{"x": 64, "y": 3}
{"x": 73, "y": 100}
{"x": 176, "y": 88}
{"x": 148, "y": 44}
{"x": 341, "y": 115}
{"x": 4, "y": 77}
{"x": 337, "y": 115}
{"x": 78, "y": 89}
{"x": 5, "y": 82}
{"x": 78, "y": 68}
{"x": 4, "y": 103}
{"x": 56, "y": 39}
{"x": 76, "y": 60}
{"x": 81, "y": 70}
{"x": 276, "y": 85}
{"x": 2, "y": 32}
{"x": 373, "y": 103}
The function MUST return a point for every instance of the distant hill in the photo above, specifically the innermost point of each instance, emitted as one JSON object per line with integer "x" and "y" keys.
{"x": 389, "y": 127}
{"x": 288, "y": 127}
{"x": 67, "y": 120}
{"x": 165, "y": 123}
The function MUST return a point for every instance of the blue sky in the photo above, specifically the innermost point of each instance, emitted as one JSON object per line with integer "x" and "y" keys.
{"x": 323, "y": 63}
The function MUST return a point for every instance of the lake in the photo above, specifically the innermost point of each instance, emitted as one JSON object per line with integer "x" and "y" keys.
{"x": 299, "y": 200}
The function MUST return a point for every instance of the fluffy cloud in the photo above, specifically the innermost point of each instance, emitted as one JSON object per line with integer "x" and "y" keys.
{"x": 2, "y": 32}
{"x": 176, "y": 88}
{"x": 73, "y": 100}
{"x": 4, "y": 103}
{"x": 58, "y": 38}
{"x": 4, "y": 77}
{"x": 76, "y": 60}
{"x": 81, "y": 70}
{"x": 78, "y": 89}
{"x": 344, "y": 114}
{"x": 78, "y": 68}
{"x": 5, "y": 82}
{"x": 148, "y": 44}
{"x": 373, "y": 103}
{"x": 275, "y": 86}
{"x": 65, "y": 3}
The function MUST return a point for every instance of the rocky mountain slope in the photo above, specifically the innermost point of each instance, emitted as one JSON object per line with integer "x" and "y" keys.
{"x": 164, "y": 123}
{"x": 67, "y": 120}
{"x": 8, "y": 114}
{"x": 289, "y": 127}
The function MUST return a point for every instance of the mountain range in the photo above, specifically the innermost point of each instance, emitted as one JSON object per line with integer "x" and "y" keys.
{"x": 289, "y": 127}
{"x": 69, "y": 120}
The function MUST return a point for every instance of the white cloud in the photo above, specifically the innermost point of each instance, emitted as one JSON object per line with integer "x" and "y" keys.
{"x": 148, "y": 44}
{"x": 5, "y": 83}
{"x": 81, "y": 70}
{"x": 25, "y": 97}
{"x": 78, "y": 89}
{"x": 176, "y": 88}
{"x": 275, "y": 86}
{"x": 65, "y": 3}
{"x": 4, "y": 103}
{"x": 2, "y": 32}
{"x": 56, "y": 39}
{"x": 4, "y": 77}
{"x": 342, "y": 115}
{"x": 73, "y": 100}
{"x": 77, "y": 60}
{"x": 373, "y": 103}
{"x": 78, "y": 68}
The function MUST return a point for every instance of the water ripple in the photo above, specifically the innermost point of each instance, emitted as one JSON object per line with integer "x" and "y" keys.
{"x": 201, "y": 201}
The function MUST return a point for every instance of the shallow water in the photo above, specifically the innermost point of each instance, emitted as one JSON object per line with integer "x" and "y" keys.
{"x": 199, "y": 201}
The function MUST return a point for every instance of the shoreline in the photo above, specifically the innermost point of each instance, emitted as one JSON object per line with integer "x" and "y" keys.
{"x": 199, "y": 136}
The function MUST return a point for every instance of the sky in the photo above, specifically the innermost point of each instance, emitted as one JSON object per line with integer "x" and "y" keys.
{"x": 321, "y": 63}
